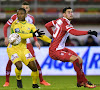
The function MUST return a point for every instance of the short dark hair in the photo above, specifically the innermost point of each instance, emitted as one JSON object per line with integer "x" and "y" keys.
{"x": 64, "y": 10}
{"x": 25, "y": 3}
{"x": 21, "y": 9}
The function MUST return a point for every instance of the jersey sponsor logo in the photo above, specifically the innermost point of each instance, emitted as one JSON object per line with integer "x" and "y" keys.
{"x": 14, "y": 56}
{"x": 17, "y": 30}
{"x": 29, "y": 55}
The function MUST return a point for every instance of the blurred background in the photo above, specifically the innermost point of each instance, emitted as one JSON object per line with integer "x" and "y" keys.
{"x": 86, "y": 17}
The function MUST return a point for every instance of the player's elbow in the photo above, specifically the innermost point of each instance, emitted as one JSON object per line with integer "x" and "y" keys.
{"x": 46, "y": 25}
{"x": 5, "y": 26}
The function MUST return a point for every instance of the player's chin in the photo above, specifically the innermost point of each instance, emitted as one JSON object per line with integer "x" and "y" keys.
{"x": 20, "y": 19}
{"x": 70, "y": 18}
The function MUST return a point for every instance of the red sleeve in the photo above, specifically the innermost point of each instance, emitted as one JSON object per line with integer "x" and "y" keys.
{"x": 35, "y": 38}
{"x": 49, "y": 26}
{"x": 12, "y": 19}
{"x": 5, "y": 29}
{"x": 78, "y": 32}
{"x": 32, "y": 19}
{"x": 69, "y": 28}
{"x": 9, "y": 22}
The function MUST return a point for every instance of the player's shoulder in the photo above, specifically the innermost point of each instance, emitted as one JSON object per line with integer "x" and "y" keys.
{"x": 59, "y": 21}
{"x": 29, "y": 15}
{"x": 30, "y": 24}
{"x": 65, "y": 20}
{"x": 15, "y": 22}
{"x": 14, "y": 16}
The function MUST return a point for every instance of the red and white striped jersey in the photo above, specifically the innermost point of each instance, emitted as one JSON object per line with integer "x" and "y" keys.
{"x": 62, "y": 29}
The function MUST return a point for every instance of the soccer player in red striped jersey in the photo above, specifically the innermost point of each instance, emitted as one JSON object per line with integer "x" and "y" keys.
{"x": 57, "y": 49}
{"x": 29, "y": 18}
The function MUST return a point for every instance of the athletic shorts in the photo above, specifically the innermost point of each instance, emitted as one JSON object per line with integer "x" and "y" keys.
{"x": 19, "y": 54}
{"x": 62, "y": 55}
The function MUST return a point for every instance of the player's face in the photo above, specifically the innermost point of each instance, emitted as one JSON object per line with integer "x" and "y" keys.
{"x": 21, "y": 15}
{"x": 68, "y": 14}
{"x": 26, "y": 7}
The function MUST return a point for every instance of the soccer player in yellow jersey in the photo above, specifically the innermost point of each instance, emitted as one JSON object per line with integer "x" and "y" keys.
{"x": 20, "y": 53}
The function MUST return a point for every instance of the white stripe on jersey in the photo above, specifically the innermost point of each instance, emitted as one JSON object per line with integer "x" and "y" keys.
{"x": 8, "y": 23}
{"x": 70, "y": 29}
{"x": 53, "y": 23}
{"x": 62, "y": 43}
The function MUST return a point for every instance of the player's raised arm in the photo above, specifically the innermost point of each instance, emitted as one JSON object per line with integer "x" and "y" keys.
{"x": 40, "y": 34}
{"x": 37, "y": 33}
{"x": 49, "y": 26}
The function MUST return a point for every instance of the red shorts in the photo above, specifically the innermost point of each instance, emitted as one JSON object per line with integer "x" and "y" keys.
{"x": 62, "y": 55}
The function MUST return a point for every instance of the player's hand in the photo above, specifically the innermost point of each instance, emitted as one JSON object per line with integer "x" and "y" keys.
{"x": 6, "y": 41}
{"x": 92, "y": 33}
{"x": 38, "y": 33}
{"x": 37, "y": 44}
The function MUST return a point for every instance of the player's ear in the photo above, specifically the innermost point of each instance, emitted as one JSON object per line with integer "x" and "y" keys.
{"x": 29, "y": 9}
{"x": 64, "y": 14}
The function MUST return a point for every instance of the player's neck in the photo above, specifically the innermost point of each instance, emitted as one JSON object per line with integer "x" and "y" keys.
{"x": 26, "y": 13}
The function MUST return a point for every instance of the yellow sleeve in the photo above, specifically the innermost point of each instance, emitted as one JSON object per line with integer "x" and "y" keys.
{"x": 45, "y": 38}
{"x": 25, "y": 36}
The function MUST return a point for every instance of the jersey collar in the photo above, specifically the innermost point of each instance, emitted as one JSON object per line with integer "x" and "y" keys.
{"x": 23, "y": 22}
{"x": 67, "y": 20}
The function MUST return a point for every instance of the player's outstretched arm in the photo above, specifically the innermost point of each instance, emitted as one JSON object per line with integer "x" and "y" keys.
{"x": 78, "y": 32}
{"x": 40, "y": 34}
{"x": 37, "y": 33}
{"x": 93, "y": 33}
{"x": 45, "y": 38}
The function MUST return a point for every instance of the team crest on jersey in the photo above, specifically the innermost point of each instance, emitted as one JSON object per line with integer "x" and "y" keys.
{"x": 17, "y": 30}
